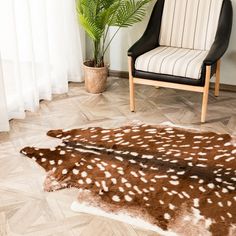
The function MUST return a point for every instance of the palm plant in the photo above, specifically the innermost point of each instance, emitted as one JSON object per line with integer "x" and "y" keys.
{"x": 97, "y": 16}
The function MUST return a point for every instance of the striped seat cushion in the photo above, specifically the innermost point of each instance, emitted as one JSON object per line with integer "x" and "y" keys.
{"x": 190, "y": 23}
{"x": 172, "y": 61}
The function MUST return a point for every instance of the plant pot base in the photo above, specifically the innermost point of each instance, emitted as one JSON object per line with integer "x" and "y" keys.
{"x": 95, "y": 78}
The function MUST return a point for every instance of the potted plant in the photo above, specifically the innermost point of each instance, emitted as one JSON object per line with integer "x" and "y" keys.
{"x": 96, "y": 17}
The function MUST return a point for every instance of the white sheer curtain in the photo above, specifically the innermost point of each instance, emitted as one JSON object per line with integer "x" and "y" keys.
{"x": 41, "y": 50}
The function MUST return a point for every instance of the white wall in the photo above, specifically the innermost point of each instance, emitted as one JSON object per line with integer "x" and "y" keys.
{"x": 118, "y": 51}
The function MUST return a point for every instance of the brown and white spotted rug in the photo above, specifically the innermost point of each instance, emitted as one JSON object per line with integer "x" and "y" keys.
{"x": 179, "y": 181}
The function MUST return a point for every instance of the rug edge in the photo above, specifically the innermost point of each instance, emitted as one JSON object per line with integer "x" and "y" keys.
{"x": 121, "y": 217}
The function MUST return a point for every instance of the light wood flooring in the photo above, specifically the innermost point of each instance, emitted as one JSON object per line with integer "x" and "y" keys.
{"x": 26, "y": 210}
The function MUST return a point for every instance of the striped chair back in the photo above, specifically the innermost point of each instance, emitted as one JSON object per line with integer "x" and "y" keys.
{"x": 190, "y": 23}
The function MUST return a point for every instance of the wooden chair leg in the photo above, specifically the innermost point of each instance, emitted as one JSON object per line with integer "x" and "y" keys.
{"x": 206, "y": 94}
{"x": 131, "y": 86}
{"x": 217, "y": 83}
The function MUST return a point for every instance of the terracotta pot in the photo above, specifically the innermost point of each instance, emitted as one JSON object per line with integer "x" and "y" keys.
{"x": 95, "y": 78}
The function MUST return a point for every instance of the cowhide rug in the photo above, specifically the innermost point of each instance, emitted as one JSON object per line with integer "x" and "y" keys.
{"x": 179, "y": 181}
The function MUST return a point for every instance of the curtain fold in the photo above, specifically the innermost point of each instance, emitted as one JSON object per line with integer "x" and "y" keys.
{"x": 41, "y": 50}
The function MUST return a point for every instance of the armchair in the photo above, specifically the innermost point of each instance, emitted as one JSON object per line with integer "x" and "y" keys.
{"x": 182, "y": 46}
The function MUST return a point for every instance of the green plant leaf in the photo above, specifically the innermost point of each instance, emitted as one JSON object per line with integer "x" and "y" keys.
{"x": 96, "y": 16}
{"x": 91, "y": 29}
{"x": 129, "y": 13}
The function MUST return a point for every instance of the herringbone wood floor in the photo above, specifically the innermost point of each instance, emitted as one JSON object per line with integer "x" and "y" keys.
{"x": 26, "y": 210}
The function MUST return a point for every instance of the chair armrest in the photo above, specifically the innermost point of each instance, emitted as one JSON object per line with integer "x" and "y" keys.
{"x": 223, "y": 33}
{"x": 150, "y": 38}
{"x": 216, "y": 52}
{"x": 144, "y": 44}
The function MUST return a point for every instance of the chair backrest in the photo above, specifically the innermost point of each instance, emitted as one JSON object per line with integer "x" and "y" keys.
{"x": 190, "y": 23}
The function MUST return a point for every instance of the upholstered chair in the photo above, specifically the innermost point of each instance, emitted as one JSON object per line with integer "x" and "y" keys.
{"x": 182, "y": 47}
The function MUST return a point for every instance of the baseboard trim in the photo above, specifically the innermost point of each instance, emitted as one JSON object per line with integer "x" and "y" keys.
{"x": 120, "y": 74}
{"x": 125, "y": 75}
